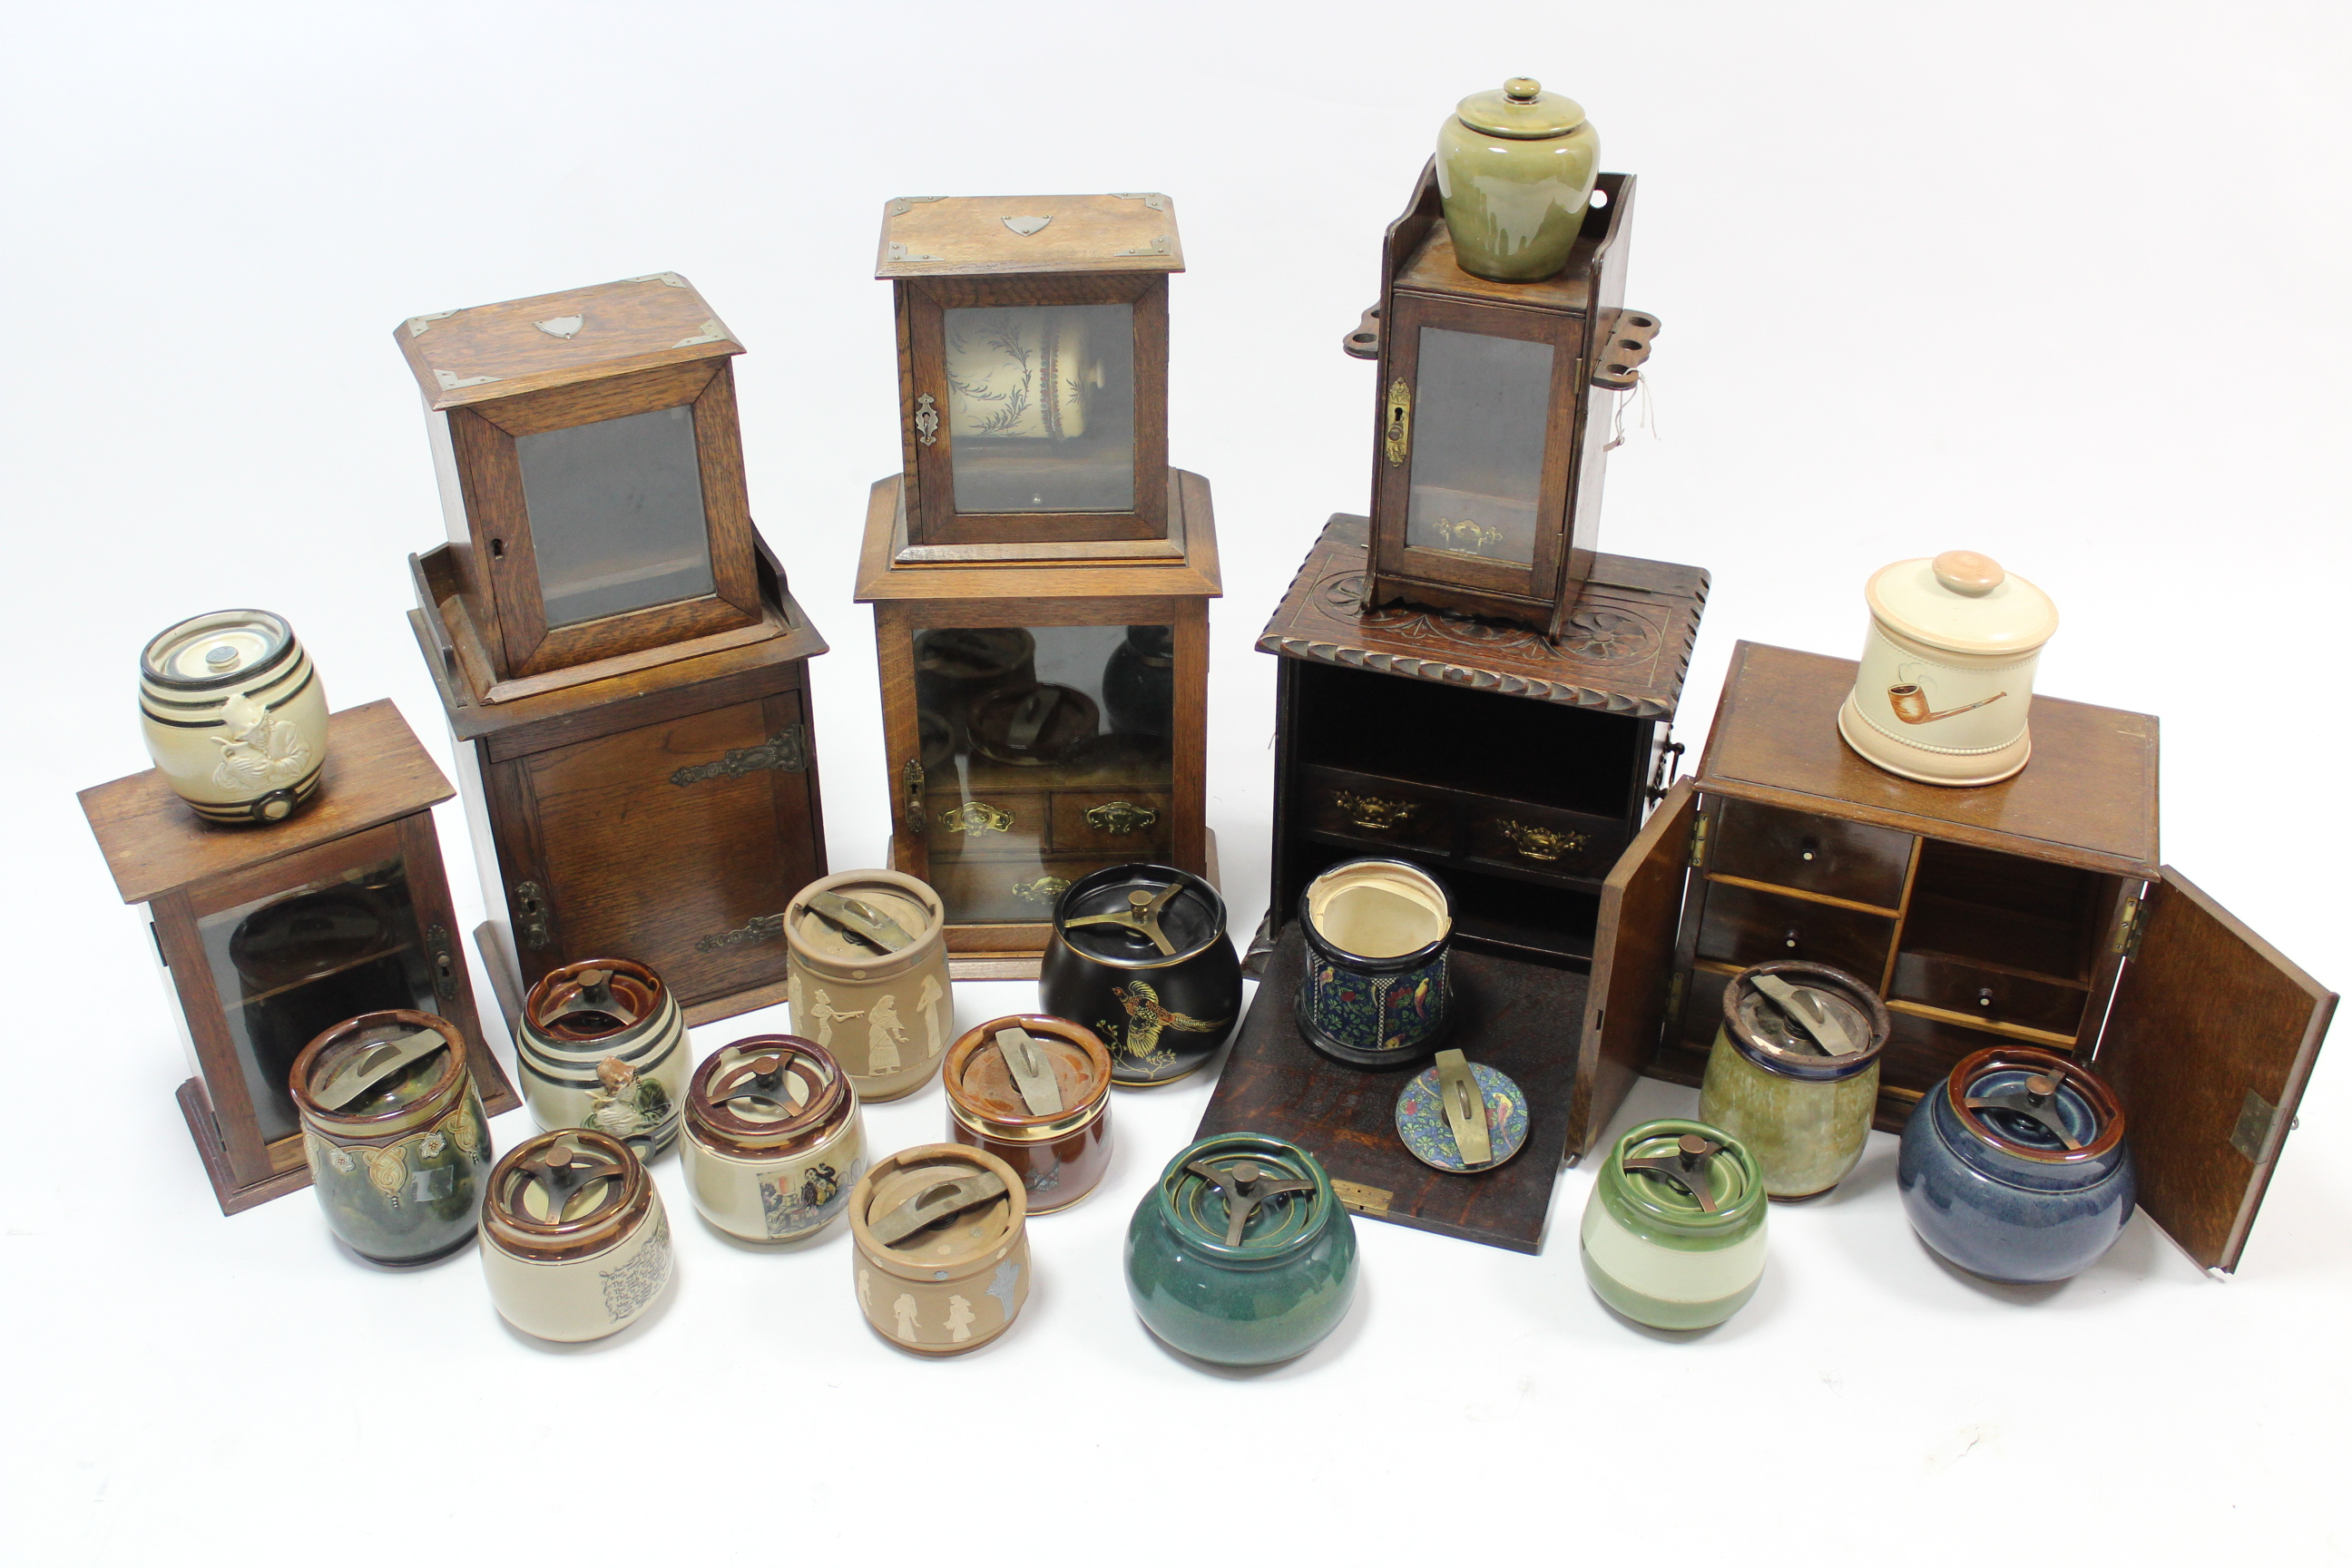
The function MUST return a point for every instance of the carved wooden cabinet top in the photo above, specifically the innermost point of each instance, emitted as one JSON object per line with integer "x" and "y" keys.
{"x": 491, "y": 351}
{"x": 2088, "y": 798}
{"x": 948, "y": 236}
{"x": 1626, "y": 649}
{"x": 376, "y": 772}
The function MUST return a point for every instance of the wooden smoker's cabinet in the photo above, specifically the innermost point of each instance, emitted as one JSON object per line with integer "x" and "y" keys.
{"x": 2035, "y": 909}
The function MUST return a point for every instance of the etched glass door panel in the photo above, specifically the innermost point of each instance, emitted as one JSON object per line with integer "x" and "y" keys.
{"x": 1046, "y": 751}
{"x": 1481, "y": 409}
{"x": 616, "y": 518}
{"x": 1040, "y": 408}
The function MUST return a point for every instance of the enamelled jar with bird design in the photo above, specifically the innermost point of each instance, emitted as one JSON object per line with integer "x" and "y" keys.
{"x": 1673, "y": 1233}
{"x": 867, "y": 977}
{"x": 235, "y": 715}
{"x": 575, "y": 1242}
{"x": 2015, "y": 1166}
{"x": 1242, "y": 1254}
{"x": 1034, "y": 1091}
{"x": 1141, "y": 956}
{"x": 1377, "y": 986}
{"x": 774, "y": 1138}
{"x": 1793, "y": 1073}
{"x": 942, "y": 1248}
{"x": 394, "y": 1132}
{"x": 603, "y": 1044}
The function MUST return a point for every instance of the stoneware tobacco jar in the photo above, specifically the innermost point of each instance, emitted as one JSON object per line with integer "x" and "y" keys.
{"x": 1242, "y": 1255}
{"x": 235, "y": 715}
{"x": 1673, "y": 1233}
{"x": 1946, "y": 671}
{"x": 867, "y": 977}
{"x": 602, "y": 1045}
{"x": 773, "y": 1139}
{"x": 2015, "y": 1166}
{"x": 1034, "y": 1091}
{"x": 394, "y": 1132}
{"x": 1141, "y": 956}
{"x": 575, "y": 1242}
{"x": 942, "y": 1249}
{"x": 1515, "y": 169}
{"x": 1793, "y": 1074}
{"x": 1376, "y": 990}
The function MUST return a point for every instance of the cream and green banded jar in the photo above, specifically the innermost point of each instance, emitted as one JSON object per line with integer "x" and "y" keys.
{"x": 575, "y": 1242}
{"x": 235, "y": 715}
{"x": 1793, "y": 1073}
{"x": 603, "y": 1044}
{"x": 1673, "y": 1233}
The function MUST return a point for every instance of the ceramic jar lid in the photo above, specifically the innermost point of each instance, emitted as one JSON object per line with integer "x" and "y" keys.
{"x": 863, "y": 924}
{"x": 1522, "y": 110}
{"x": 1027, "y": 1077}
{"x": 378, "y": 1071}
{"x": 1461, "y": 1116}
{"x": 595, "y": 1002}
{"x": 1805, "y": 1020}
{"x": 565, "y": 1194}
{"x": 1962, "y": 602}
{"x": 936, "y": 1211}
{"x": 226, "y": 648}
{"x": 1143, "y": 917}
{"x": 2036, "y": 1105}
{"x": 761, "y": 1095}
{"x": 1245, "y": 1196}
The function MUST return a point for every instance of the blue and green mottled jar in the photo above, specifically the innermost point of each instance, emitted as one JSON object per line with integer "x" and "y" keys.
{"x": 1377, "y": 989}
{"x": 1652, "y": 1251}
{"x": 1273, "y": 1294}
{"x": 1803, "y": 1113}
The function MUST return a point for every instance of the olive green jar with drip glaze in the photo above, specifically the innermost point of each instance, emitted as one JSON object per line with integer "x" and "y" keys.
{"x": 1673, "y": 1233}
{"x": 1514, "y": 170}
{"x": 1793, "y": 1073}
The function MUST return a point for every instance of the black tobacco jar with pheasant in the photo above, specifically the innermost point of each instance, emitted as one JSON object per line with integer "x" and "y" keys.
{"x": 1141, "y": 956}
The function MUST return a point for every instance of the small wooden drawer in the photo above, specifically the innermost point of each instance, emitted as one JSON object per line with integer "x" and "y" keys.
{"x": 997, "y": 825}
{"x": 1921, "y": 1051}
{"x": 1935, "y": 981}
{"x": 1817, "y": 854}
{"x": 1131, "y": 822}
{"x": 1743, "y": 926}
{"x": 1553, "y": 843}
{"x": 1013, "y": 892}
{"x": 1375, "y": 812}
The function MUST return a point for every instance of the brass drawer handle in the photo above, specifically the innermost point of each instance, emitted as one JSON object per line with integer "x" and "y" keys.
{"x": 1542, "y": 843}
{"x": 1121, "y": 817}
{"x": 976, "y": 816}
{"x": 1465, "y": 537}
{"x": 1044, "y": 890}
{"x": 1375, "y": 812}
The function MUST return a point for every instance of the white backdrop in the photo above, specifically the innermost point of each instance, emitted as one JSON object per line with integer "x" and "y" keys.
{"x": 2059, "y": 282}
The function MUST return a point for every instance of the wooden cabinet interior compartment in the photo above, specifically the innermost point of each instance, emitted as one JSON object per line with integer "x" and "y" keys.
{"x": 269, "y": 935}
{"x": 2035, "y": 909}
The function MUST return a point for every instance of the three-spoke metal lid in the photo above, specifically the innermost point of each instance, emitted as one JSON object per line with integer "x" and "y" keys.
{"x": 594, "y": 1000}
{"x": 764, "y": 1093}
{"x": 1247, "y": 1195}
{"x": 2036, "y": 1105}
{"x": 564, "y": 1192}
{"x": 1140, "y": 916}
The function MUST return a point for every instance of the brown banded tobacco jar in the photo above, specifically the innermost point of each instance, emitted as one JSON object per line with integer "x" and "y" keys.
{"x": 942, "y": 1263}
{"x": 773, "y": 1139}
{"x": 575, "y": 1242}
{"x": 1034, "y": 1091}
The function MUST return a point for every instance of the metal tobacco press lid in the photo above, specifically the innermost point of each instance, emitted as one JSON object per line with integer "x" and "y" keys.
{"x": 1522, "y": 110}
{"x": 565, "y": 1193}
{"x": 1245, "y": 1195}
{"x": 2036, "y": 1105}
{"x": 1688, "y": 1176}
{"x": 594, "y": 1000}
{"x": 1028, "y": 1073}
{"x": 936, "y": 1210}
{"x": 1140, "y": 917}
{"x": 763, "y": 1094}
{"x": 1805, "y": 1020}
{"x": 863, "y": 924}
{"x": 1962, "y": 602}
{"x": 378, "y": 1067}
{"x": 1461, "y": 1116}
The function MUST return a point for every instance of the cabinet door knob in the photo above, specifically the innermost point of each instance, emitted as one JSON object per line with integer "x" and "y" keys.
{"x": 1789, "y": 938}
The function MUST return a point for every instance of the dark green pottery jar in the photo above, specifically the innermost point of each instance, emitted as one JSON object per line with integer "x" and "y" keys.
{"x": 1673, "y": 1233}
{"x": 1242, "y": 1254}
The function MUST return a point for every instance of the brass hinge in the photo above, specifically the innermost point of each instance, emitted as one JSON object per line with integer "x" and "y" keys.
{"x": 2131, "y": 926}
{"x": 2255, "y": 1119}
{"x": 786, "y": 752}
{"x": 1698, "y": 841}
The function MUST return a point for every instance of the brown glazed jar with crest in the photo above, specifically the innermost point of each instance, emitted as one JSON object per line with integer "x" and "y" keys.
{"x": 1034, "y": 1091}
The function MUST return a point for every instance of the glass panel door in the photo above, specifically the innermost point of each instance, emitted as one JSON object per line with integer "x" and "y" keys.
{"x": 616, "y": 515}
{"x": 1480, "y": 410}
{"x": 1040, "y": 408}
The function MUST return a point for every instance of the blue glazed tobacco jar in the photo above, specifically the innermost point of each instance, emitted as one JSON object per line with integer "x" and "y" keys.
{"x": 2015, "y": 1166}
{"x": 1242, "y": 1254}
{"x": 1376, "y": 990}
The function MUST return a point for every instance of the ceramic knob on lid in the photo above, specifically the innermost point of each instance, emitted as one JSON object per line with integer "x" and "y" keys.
{"x": 575, "y": 1242}
{"x": 866, "y": 977}
{"x": 1673, "y": 1236}
{"x": 1947, "y": 673}
{"x": 1515, "y": 171}
{"x": 942, "y": 1248}
{"x": 235, "y": 715}
{"x": 1140, "y": 955}
{"x": 773, "y": 1141}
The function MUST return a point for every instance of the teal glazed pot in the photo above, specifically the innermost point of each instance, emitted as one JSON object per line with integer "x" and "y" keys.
{"x": 1802, "y": 1111}
{"x": 1653, "y": 1248}
{"x": 1246, "y": 1293}
{"x": 1378, "y": 988}
{"x": 1515, "y": 171}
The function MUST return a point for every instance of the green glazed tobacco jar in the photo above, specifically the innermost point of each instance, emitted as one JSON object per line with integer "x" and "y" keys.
{"x": 1793, "y": 1073}
{"x": 1514, "y": 170}
{"x": 1673, "y": 1233}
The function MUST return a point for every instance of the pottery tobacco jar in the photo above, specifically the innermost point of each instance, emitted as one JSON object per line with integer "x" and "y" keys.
{"x": 773, "y": 1139}
{"x": 603, "y": 1044}
{"x": 868, "y": 977}
{"x": 235, "y": 715}
{"x": 1793, "y": 1073}
{"x": 1673, "y": 1233}
{"x": 1242, "y": 1254}
{"x": 1034, "y": 1091}
{"x": 1141, "y": 956}
{"x": 1377, "y": 990}
{"x": 942, "y": 1249}
{"x": 1515, "y": 169}
{"x": 2015, "y": 1167}
{"x": 575, "y": 1242}
{"x": 394, "y": 1132}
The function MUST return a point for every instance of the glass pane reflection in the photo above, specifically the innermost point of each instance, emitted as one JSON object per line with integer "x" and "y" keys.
{"x": 1479, "y": 412}
{"x": 616, "y": 519}
{"x": 1040, "y": 408}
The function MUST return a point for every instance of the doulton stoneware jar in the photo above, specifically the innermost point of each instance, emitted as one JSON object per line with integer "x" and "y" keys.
{"x": 235, "y": 715}
{"x": 773, "y": 1139}
{"x": 942, "y": 1249}
{"x": 1946, "y": 672}
{"x": 1673, "y": 1233}
{"x": 868, "y": 977}
{"x": 1793, "y": 1073}
{"x": 1515, "y": 169}
{"x": 1140, "y": 955}
{"x": 1377, "y": 989}
{"x": 2015, "y": 1166}
{"x": 394, "y": 1135}
{"x": 575, "y": 1242}
{"x": 603, "y": 1044}
{"x": 1242, "y": 1254}
{"x": 1034, "y": 1091}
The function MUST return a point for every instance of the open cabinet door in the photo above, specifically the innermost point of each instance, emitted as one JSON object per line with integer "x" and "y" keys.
{"x": 1632, "y": 964}
{"x": 2209, "y": 1043}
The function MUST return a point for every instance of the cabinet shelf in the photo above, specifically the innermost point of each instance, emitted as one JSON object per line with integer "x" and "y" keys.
{"x": 348, "y": 964}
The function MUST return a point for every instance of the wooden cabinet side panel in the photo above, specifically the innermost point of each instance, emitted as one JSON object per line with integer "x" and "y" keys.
{"x": 1632, "y": 965}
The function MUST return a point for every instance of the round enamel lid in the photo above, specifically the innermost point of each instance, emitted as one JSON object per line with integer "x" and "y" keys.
{"x": 1962, "y": 602}
{"x": 1522, "y": 110}
{"x": 217, "y": 649}
{"x": 1437, "y": 1113}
